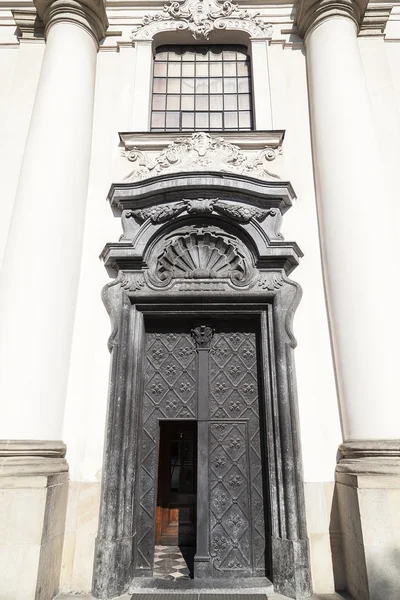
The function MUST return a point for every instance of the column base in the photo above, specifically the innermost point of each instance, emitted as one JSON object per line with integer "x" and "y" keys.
{"x": 34, "y": 495}
{"x": 290, "y": 568}
{"x": 203, "y": 568}
{"x": 368, "y": 492}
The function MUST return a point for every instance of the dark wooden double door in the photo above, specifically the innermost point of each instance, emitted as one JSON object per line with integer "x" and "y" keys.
{"x": 200, "y": 478}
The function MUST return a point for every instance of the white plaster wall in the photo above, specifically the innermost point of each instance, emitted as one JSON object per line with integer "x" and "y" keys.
{"x": 19, "y": 73}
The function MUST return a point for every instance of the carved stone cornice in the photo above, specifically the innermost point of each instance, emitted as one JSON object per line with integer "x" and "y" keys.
{"x": 89, "y": 14}
{"x": 200, "y": 18}
{"x": 311, "y": 13}
{"x": 30, "y": 26}
{"x": 32, "y": 457}
{"x": 375, "y": 19}
{"x": 369, "y": 457}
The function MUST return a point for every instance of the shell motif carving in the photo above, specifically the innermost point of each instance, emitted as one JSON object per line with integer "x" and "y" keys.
{"x": 202, "y": 255}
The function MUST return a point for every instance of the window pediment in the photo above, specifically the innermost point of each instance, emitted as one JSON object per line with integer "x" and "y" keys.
{"x": 200, "y": 18}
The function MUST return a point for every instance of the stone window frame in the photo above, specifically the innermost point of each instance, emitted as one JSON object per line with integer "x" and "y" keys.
{"x": 241, "y": 31}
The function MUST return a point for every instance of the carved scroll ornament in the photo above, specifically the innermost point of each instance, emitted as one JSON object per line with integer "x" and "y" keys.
{"x": 199, "y": 206}
{"x": 201, "y": 17}
{"x": 201, "y": 152}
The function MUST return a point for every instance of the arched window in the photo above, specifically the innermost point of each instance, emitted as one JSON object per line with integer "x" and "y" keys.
{"x": 202, "y": 88}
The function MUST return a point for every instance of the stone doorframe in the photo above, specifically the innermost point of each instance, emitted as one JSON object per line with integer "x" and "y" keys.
{"x": 163, "y": 219}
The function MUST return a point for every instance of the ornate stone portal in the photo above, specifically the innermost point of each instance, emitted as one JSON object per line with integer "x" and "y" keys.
{"x": 201, "y": 311}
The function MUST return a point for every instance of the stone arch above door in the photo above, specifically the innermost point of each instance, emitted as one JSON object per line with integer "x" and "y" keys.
{"x": 204, "y": 244}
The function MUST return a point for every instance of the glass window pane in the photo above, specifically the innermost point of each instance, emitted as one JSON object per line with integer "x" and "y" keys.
{"x": 173, "y": 102}
{"x": 216, "y": 103}
{"x": 201, "y": 120}
{"x": 215, "y": 120}
{"x": 215, "y": 86}
{"x": 158, "y": 102}
{"x": 201, "y": 53}
{"x": 188, "y": 54}
{"x": 201, "y": 86}
{"x": 174, "y": 86}
{"x": 201, "y": 102}
{"x": 231, "y": 120}
{"x": 174, "y": 69}
{"x": 243, "y": 69}
{"x": 230, "y": 85}
{"x": 187, "y": 86}
{"x": 229, "y": 54}
{"x": 216, "y": 69}
{"x": 245, "y": 119}
{"x": 202, "y": 70}
{"x": 230, "y": 69}
{"x": 160, "y": 85}
{"x": 158, "y": 119}
{"x": 172, "y": 119}
{"x": 190, "y": 81}
{"x": 160, "y": 69}
{"x": 216, "y": 53}
{"x": 187, "y": 103}
{"x": 244, "y": 102}
{"x": 175, "y": 53}
{"x": 188, "y": 69}
{"x": 188, "y": 120}
{"x": 230, "y": 102}
{"x": 243, "y": 85}
{"x": 241, "y": 53}
{"x": 161, "y": 54}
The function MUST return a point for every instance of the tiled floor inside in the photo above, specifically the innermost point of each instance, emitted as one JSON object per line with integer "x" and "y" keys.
{"x": 173, "y": 562}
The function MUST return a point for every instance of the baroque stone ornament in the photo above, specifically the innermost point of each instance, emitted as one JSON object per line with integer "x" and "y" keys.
{"x": 270, "y": 281}
{"x": 201, "y": 17}
{"x": 201, "y": 206}
{"x": 202, "y": 336}
{"x": 200, "y": 152}
{"x": 201, "y": 253}
{"x": 132, "y": 282}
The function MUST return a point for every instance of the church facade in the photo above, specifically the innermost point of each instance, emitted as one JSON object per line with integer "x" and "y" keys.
{"x": 198, "y": 347}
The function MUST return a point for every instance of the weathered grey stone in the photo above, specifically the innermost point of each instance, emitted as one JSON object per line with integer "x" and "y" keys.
{"x": 164, "y": 218}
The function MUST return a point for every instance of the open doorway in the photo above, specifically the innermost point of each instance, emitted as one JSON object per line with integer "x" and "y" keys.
{"x": 175, "y": 542}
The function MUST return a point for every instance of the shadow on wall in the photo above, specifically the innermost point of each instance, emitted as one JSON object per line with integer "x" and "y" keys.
{"x": 379, "y": 579}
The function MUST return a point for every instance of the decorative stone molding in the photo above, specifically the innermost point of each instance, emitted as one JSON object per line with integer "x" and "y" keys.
{"x": 370, "y": 457}
{"x": 311, "y": 13}
{"x": 89, "y": 14}
{"x": 30, "y": 26}
{"x": 200, "y": 253}
{"x": 203, "y": 263}
{"x": 246, "y": 140}
{"x": 201, "y": 17}
{"x": 202, "y": 336}
{"x": 270, "y": 281}
{"x": 32, "y": 457}
{"x": 198, "y": 206}
{"x": 375, "y": 19}
{"x": 200, "y": 152}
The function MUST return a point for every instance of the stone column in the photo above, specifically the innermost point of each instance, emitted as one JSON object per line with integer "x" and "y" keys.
{"x": 39, "y": 282}
{"x": 358, "y": 242}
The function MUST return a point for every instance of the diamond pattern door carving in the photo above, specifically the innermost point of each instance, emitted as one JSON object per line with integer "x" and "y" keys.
{"x": 237, "y": 525}
{"x": 234, "y": 484}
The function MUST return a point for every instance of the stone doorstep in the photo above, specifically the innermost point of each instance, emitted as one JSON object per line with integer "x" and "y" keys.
{"x": 155, "y": 595}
